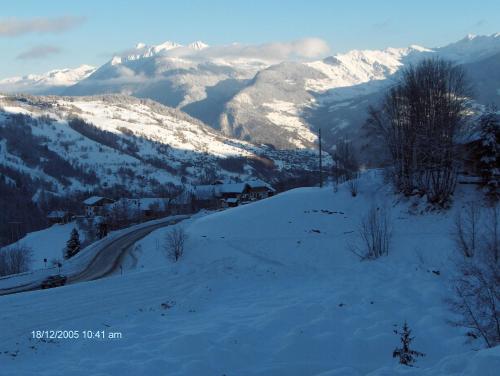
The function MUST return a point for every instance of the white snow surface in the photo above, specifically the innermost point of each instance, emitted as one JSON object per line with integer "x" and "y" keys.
{"x": 158, "y": 133}
{"x": 57, "y": 77}
{"x": 48, "y": 243}
{"x": 263, "y": 289}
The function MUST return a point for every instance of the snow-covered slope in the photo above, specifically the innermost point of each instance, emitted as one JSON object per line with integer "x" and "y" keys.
{"x": 53, "y": 82}
{"x": 138, "y": 144}
{"x": 268, "y": 288}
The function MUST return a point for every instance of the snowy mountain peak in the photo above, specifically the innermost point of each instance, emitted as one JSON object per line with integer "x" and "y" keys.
{"x": 55, "y": 78}
{"x": 198, "y": 45}
{"x": 472, "y": 48}
{"x": 115, "y": 60}
{"x": 168, "y": 45}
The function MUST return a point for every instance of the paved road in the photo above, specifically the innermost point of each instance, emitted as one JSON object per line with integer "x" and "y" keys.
{"x": 109, "y": 259}
{"x": 105, "y": 262}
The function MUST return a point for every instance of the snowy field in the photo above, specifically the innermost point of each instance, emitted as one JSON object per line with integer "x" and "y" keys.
{"x": 49, "y": 244}
{"x": 263, "y": 289}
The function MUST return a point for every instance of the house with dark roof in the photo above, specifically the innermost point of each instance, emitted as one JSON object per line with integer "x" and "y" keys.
{"x": 94, "y": 206}
{"x": 222, "y": 195}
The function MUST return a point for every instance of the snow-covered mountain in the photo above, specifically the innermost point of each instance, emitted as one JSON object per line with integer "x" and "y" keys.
{"x": 52, "y": 82}
{"x": 70, "y": 144}
{"x": 169, "y": 73}
{"x": 335, "y": 92}
{"x": 248, "y": 94}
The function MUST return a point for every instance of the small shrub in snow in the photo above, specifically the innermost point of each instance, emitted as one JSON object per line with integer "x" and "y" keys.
{"x": 174, "y": 243}
{"x": 467, "y": 228}
{"x": 15, "y": 259}
{"x": 405, "y": 354}
{"x": 353, "y": 186}
{"x": 375, "y": 235}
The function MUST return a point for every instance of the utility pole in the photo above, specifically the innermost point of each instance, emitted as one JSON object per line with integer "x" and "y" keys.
{"x": 320, "y": 160}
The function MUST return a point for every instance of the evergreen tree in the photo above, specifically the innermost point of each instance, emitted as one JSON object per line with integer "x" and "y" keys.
{"x": 489, "y": 152}
{"x": 406, "y": 355}
{"x": 73, "y": 244}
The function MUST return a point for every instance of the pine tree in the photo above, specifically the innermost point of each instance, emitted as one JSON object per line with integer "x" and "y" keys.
{"x": 73, "y": 244}
{"x": 489, "y": 153}
{"x": 406, "y": 355}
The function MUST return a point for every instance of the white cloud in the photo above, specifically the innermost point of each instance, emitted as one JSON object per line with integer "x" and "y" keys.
{"x": 301, "y": 49}
{"x": 14, "y": 27}
{"x": 38, "y": 52}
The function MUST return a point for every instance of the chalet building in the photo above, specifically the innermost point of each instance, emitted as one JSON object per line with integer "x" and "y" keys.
{"x": 59, "y": 216}
{"x": 143, "y": 207}
{"x": 223, "y": 195}
{"x": 94, "y": 206}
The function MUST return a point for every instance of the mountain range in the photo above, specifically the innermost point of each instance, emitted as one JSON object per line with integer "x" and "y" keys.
{"x": 257, "y": 98}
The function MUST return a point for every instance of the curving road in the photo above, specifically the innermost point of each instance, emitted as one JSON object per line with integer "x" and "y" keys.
{"x": 106, "y": 260}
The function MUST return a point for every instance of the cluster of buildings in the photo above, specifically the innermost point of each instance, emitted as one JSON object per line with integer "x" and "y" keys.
{"x": 224, "y": 195}
{"x": 218, "y": 195}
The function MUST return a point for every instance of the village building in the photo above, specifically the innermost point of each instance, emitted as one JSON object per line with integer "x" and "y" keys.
{"x": 223, "y": 195}
{"x": 59, "y": 216}
{"x": 94, "y": 206}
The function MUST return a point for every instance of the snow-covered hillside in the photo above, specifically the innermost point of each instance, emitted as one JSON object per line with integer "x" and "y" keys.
{"x": 268, "y": 288}
{"x": 125, "y": 141}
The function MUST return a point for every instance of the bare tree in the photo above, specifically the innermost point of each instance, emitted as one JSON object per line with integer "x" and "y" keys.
{"x": 466, "y": 229}
{"x": 15, "y": 259}
{"x": 477, "y": 286}
{"x": 346, "y": 165}
{"x": 492, "y": 234}
{"x": 477, "y": 300}
{"x": 174, "y": 243}
{"x": 375, "y": 235}
{"x": 419, "y": 120}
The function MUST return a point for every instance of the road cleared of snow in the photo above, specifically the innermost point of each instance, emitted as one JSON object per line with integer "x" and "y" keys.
{"x": 96, "y": 261}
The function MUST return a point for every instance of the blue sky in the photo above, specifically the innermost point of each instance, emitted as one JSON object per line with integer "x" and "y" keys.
{"x": 36, "y": 36}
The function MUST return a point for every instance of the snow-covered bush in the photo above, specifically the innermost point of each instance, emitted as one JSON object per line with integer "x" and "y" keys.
{"x": 174, "y": 243}
{"x": 353, "y": 186}
{"x": 374, "y": 235}
{"x": 15, "y": 259}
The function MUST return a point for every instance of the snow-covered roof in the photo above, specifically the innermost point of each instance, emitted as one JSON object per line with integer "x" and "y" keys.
{"x": 232, "y": 187}
{"x": 143, "y": 203}
{"x": 56, "y": 214}
{"x": 206, "y": 192}
{"x": 93, "y": 200}
{"x": 231, "y": 200}
{"x": 257, "y": 183}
